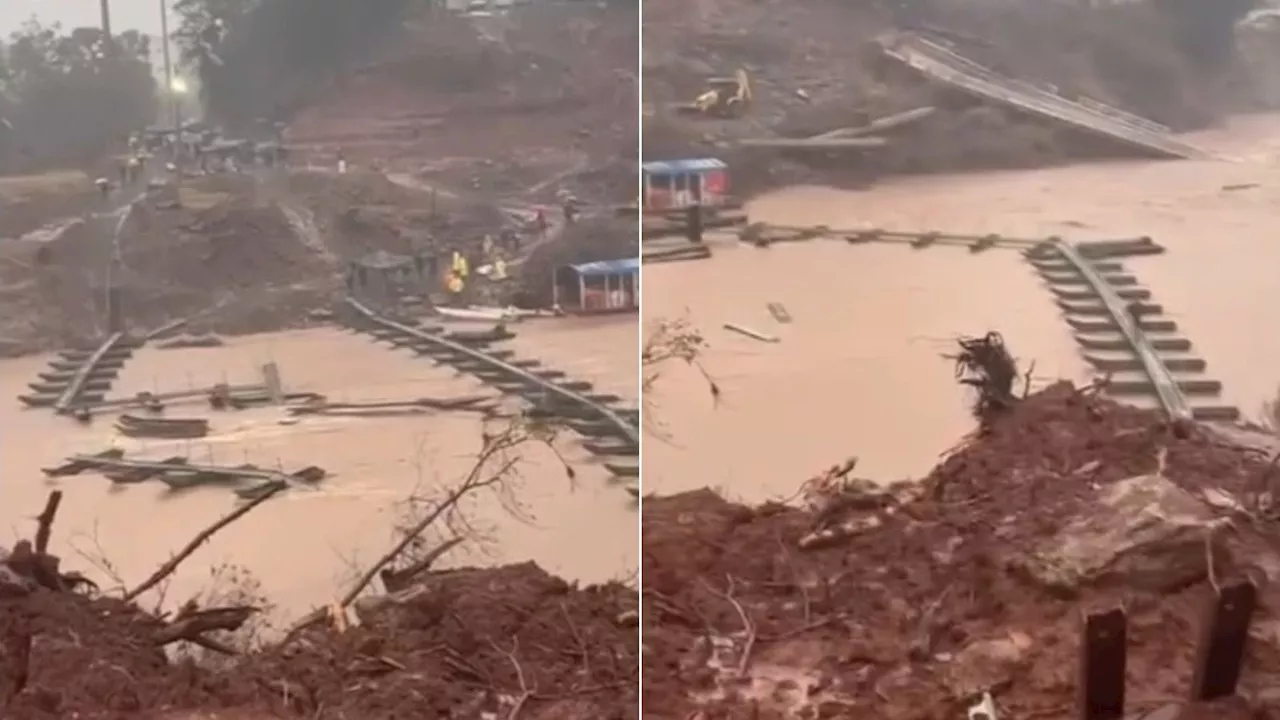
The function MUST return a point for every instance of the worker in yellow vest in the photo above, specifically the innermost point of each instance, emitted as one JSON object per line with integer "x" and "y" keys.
{"x": 460, "y": 265}
{"x": 454, "y": 284}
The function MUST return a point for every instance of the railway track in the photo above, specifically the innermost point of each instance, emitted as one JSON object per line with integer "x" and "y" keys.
{"x": 608, "y": 431}
{"x": 76, "y": 377}
{"x": 1125, "y": 335}
{"x": 1121, "y": 332}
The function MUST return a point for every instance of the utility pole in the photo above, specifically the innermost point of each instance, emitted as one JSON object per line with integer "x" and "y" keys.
{"x": 105, "y": 5}
{"x": 175, "y": 112}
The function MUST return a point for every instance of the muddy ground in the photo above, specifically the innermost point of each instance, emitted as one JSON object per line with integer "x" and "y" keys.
{"x": 910, "y": 601}
{"x": 540, "y": 98}
{"x": 816, "y": 67}
{"x": 459, "y": 128}
{"x": 455, "y": 643}
{"x": 241, "y": 254}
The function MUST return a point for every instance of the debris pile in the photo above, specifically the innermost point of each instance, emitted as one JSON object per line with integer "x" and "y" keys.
{"x": 912, "y": 600}
{"x": 511, "y": 640}
{"x": 819, "y": 69}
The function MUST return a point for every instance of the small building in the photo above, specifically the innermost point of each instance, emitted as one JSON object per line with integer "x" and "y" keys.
{"x": 677, "y": 184}
{"x": 387, "y": 278}
{"x": 607, "y": 286}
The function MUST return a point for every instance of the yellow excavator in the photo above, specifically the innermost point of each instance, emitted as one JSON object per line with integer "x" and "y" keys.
{"x": 724, "y": 98}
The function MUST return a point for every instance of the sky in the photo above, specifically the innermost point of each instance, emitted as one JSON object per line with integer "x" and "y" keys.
{"x": 141, "y": 15}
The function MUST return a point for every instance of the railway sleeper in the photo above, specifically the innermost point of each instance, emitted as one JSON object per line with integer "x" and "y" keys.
{"x": 478, "y": 337}
{"x": 1116, "y": 342}
{"x": 592, "y": 429}
{"x": 1146, "y": 387}
{"x": 1062, "y": 265}
{"x": 44, "y": 400}
{"x": 122, "y": 345}
{"x": 611, "y": 447}
{"x": 576, "y": 386}
{"x": 1125, "y": 293}
{"x": 1216, "y": 413}
{"x": 57, "y": 387}
{"x": 112, "y": 363}
{"x": 626, "y": 470}
{"x": 1109, "y": 325}
{"x": 1133, "y": 364}
{"x": 603, "y": 398}
{"x": 81, "y": 356}
{"x": 66, "y": 375}
{"x": 1078, "y": 279}
{"x": 1098, "y": 309}
{"x": 1119, "y": 248}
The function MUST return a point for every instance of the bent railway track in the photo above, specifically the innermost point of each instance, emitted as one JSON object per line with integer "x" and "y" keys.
{"x": 1121, "y": 333}
{"x": 76, "y": 377}
{"x": 608, "y": 431}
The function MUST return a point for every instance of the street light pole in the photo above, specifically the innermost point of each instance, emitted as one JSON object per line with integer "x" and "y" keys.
{"x": 174, "y": 110}
{"x": 105, "y": 6}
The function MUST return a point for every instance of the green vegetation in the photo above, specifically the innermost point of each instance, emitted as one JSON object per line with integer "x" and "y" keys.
{"x": 66, "y": 97}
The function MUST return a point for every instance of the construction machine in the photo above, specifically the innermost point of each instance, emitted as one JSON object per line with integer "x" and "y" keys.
{"x": 725, "y": 97}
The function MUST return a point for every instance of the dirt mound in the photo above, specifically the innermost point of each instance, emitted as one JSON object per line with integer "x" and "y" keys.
{"x": 456, "y": 643}
{"x": 239, "y": 254}
{"x": 497, "y": 104}
{"x": 816, "y": 66}
{"x": 910, "y": 600}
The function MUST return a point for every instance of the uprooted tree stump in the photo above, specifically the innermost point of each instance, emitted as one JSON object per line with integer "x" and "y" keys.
{"x": 985, "y": 364}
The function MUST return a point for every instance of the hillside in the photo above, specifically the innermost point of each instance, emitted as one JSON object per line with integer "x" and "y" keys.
{"x": 542, "y": 96}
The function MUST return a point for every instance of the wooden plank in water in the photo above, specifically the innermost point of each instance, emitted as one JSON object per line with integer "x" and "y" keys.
{"x": 779, "y": 312}
{"x": 753, "y": 334}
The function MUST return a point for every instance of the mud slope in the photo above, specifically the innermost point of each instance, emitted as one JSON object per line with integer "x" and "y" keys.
{"x": 495, "y": 104}
{"x": 908, "y": 601}
{"x": 456, "y": 643}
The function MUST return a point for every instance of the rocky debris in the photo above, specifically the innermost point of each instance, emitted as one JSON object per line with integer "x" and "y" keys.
{"x": 1143, "y": 532}
{"x": 976, "y": 582}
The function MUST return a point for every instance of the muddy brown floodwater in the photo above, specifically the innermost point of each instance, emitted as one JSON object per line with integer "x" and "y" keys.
{"x": 303, "y": 545}
{"x": 858, "y": 371}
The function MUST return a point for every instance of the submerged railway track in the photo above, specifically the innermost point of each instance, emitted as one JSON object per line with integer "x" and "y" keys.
{"x": 1122, "y": 334}
{"x": 81, "y": 376}
{"x": 608, "y": 430}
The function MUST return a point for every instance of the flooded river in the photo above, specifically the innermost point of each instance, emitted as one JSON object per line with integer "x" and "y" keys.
{"x": 305, "y": 546}
{"x": 859, "y": 372}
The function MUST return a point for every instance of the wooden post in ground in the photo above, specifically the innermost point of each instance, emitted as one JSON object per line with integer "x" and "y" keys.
{"x": 271, "y": 378}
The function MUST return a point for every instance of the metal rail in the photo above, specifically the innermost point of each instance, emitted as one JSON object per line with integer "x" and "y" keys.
{"x": 1170, "y": 396}
{"x": 948, "y": 67}
{"x": 626, "y": 430}
{"x": 65, "y": 401}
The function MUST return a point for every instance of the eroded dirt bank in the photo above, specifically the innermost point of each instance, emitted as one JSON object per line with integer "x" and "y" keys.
{"x": 458, "y": 643}
{"x": 911, "y": 600}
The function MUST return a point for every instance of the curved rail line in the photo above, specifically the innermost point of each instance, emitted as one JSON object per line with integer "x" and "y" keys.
{"x": 76, "y": 377}
{"x": 76, "y": 385}
{"x": 1171, "y": 398}
{"x": 564, "y": 400}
